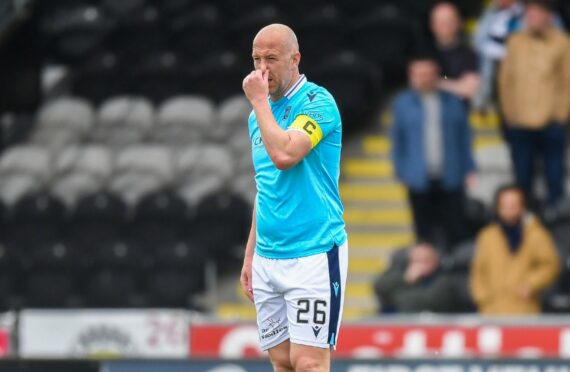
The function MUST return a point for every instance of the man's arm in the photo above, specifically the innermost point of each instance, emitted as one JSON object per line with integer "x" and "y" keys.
{"x": 285, "y": 148}
{"x": 246, "y": 271}
{"x": 547, "y": 265}
{"x": 466, "y": 86}
{"x": 563, "y": 97}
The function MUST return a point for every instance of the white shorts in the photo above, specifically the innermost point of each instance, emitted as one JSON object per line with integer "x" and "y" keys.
{"x": 300, "y": 299}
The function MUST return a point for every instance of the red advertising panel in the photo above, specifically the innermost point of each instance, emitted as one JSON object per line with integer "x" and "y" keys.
{"x": 4, "y": 342}
{"x": 370, "y": 341}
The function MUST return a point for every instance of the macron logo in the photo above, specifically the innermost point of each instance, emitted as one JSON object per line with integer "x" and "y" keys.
{"x": 311, "y": 96}
{"x": 336, "y": 287}
{"x": 316, "y": 330}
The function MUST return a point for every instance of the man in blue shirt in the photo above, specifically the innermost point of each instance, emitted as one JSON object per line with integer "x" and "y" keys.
{"x": 297, "y": 256}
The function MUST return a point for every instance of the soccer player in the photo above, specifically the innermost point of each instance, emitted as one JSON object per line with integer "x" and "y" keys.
{"x": 297, "y": 255}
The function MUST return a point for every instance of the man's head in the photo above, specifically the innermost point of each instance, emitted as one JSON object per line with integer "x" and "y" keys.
{"x": 276, "y": 50}
{"x": 425, "y": 256}
{"x": 423, "y": 73}
{"x": 538, "y": 15}
{"x": 445, "y": 23}
{"x": 510, "y": 204}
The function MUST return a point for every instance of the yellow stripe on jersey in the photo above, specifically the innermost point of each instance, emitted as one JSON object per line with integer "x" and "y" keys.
{"x": 308, "y": 126}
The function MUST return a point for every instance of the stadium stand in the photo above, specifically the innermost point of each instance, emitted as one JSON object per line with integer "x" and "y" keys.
{"x": 135, "y": 170}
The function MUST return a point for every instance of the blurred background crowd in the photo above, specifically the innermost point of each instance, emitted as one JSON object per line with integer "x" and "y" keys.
{"x": 125, "y": 166}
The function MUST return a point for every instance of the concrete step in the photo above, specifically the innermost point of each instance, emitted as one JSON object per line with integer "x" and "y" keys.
{"x": 366, "y": 265}
{"x": 399, "y": 216}
{"x": 372, "y": 192}
{"x": 384, "y": 240}
{"x": 367, "y": 168}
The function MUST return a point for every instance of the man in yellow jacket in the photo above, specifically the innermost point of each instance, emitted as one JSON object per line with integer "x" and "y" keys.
{"x": 534, "y": 91}
{"x": 515, "y": 259}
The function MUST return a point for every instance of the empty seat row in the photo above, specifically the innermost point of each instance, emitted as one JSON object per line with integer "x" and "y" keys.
{"x": 127, "y": 120}
{"x": 132, "y": 172}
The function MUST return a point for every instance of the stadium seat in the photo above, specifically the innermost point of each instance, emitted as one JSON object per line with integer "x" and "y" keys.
{"x": 35, "y": 219}
{"x": 63, "y": 121}
{"x": 102, "y": 76}
{"x": 158, "y": 75}
{"x": 219, "y": 75}
{"x": 197, "y": 28}
{"x": 140, "y": 170}
{"x": 120, "y": 254}
{"x": 79, "y": 171}
{"x": 123, "y": 8}
{"x": 222, "y": 222}
{"x": 185, "y": 120}
{"x": 172, "y": 288}
{"x": 180, "y": 254}
{"x": 250, "y": 20}
{"x": 232, "y": 120}
{"x": 23, "y": 169}
{"x": 395, "y": 31}
{"x": 125, "y": 39}
{"x": 123, "y": 120}
{"x": 75, "y": 33}
{"x": 354, "y": 83}
{"x": 202, "y": 170}
{"x": 96, "y": 220}
{"x": 112, "y": 288}
{"x": 14, "y": 129}
{"x": 158, "y": 219}
{"x": 49, "y": 288}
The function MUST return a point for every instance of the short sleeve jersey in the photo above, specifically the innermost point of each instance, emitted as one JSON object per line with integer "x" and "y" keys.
{"x": 299, "y": 210}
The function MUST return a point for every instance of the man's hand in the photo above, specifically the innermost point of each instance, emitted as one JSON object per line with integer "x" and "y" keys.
{"x": 245, "y": 279}
{"x": 471, "y": 180}
{"x": 256, "y": 85}
{"x": 414, "y": 273}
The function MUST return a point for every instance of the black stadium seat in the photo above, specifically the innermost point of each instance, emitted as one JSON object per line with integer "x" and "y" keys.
{"x": 196, "y": 30}
{"x": 100, "y": 77}
{"x": 158, "y": 218}
{"x": 112, "y": 288}
{"x": 34, "y": 219}
{"x": 96, "y": 219}
{"x": 222, "y": 221}
{"x": 172, "y": 288}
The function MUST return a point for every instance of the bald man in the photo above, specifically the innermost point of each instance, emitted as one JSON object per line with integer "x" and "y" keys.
{"x": 296, "y": 257}
{"x": 458, "y": 62}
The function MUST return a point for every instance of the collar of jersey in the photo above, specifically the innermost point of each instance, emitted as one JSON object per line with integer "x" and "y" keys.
{"x": 292, "y": 91}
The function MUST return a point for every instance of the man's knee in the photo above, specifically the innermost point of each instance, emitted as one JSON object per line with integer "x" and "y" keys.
{"x": 308, "y": 363}
{"x": 281, "y": 363}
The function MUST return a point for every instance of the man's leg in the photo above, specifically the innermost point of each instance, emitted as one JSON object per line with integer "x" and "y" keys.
{"x": 453, "y": 217}
{"x": 522, "y": 152}
{"x": 553, "y": 147}
{"x": 310, "y": 359}
{"x": 422, "y": 214}
{"x": 280, "y": 357}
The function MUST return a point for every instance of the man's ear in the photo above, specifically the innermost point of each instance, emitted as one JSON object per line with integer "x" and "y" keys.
{"x": 296, "y": 59}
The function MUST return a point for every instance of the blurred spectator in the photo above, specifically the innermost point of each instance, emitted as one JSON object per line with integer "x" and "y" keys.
{"x": 534, "y": 87}
{"x": 422, "y": 286}
{"x": 515, "y": 259}
{"x": 497, "y": 23}
{"x": 458, "y": 62}
{"x": 501, "y": 19}
{"x": 431, "y": 151}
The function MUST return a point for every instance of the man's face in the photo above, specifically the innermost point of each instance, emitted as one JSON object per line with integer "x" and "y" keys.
{"x": 423, "y": 75}
{"x": 273, "y": 56}
{"x": 445, "y": 24}
{"x": 510, "y": 207}
{"x": 537, "y": 18}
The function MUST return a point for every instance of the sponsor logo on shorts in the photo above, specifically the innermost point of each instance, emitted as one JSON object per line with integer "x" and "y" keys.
{"x": 272, "y": 329}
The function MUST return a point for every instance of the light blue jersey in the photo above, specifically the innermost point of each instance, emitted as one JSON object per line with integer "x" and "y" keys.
{"x": 299, "y": 211}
